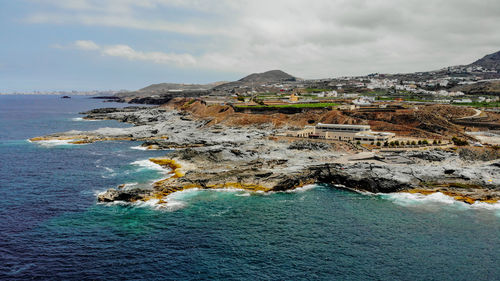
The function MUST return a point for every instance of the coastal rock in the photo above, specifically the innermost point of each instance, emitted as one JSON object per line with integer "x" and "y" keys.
{"x": 301, "y": 145}
{"x": 127, "y": 195}
{"x": 209, "y": 156}
{"x": 434, "y": 155}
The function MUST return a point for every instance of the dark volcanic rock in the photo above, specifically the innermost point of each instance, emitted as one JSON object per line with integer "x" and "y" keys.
{"x": 132, "y": 195}
{"x": 430, "y": 155}
{"x": 307, "y": 145}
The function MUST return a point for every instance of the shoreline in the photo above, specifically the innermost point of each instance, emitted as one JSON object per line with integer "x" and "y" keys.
{"x": 216, "y": 156}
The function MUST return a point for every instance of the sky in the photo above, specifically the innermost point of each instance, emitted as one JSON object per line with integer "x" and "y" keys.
{"x": 129, "y": 44}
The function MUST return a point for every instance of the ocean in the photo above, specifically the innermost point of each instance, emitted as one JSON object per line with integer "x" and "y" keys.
{"x": 52, "y": 228}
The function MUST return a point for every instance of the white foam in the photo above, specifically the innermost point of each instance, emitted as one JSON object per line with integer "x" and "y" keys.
{"x": 146, "y": 164}
{"x": 139, "y": 147}
{"x": 78, "y": 119}
{"x": 487, "y": 206}
{"x": 130, "y": 184}
{"x": 246, "y": 194}
{"x": 52, "y": 143}
{"x": 167, "y": 204}
{"x": 437, "y": 199}
{"x": 415, "y": 199}
{"x": 302, "y": 189}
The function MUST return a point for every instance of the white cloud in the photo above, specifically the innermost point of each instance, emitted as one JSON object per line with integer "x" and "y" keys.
{"x": 307, "y": 38}
{"x": 86, "y": 45}
{"x": 127, "y": 52}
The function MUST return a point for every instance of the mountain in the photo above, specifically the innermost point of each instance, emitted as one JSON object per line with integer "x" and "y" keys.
{"x": 268, "y": 76}
{"x": 179, "y": 87}
{"x": 255, "y": 80}
{"x": 491, "y": 61}
{"x": 170, "y": 90}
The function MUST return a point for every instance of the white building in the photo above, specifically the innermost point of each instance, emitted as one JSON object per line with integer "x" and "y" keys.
{"x": 340, "y": 132}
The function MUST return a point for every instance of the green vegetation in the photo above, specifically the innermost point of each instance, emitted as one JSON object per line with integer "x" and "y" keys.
{"x": 459, "y": 142}
{"x": 384, "y": 98}
{"x": 294, "y": 105}
{"x": 479, "y": 104}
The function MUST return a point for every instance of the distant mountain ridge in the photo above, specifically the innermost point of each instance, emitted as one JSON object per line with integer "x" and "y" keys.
{"x": 177, "y": 86}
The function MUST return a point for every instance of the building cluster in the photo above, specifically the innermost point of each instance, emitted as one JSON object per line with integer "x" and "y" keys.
{"x": 341, "y": 132}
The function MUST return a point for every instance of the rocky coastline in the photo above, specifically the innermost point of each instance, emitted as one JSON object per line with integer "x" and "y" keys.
{"x": 213, "y": 156}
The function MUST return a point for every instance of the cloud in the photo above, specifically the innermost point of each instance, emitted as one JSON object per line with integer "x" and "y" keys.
{"x": 307, "y": 38}
{"x": 86, "y": 45}
{"x": 127, "y": 52}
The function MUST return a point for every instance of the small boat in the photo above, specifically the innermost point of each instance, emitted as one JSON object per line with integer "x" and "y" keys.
{"x": 65, "y": 97}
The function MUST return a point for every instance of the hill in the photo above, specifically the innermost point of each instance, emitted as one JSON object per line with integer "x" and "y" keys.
{"x": 268, "y": 76}
{"x": 481, "y": 88}
{"x": 254, "y": 80}
{"x": 491, "y": 61}
{"x": 178, "y": 87}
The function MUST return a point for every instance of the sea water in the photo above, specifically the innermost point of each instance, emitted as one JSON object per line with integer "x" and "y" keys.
{"x": 52, "y": 228}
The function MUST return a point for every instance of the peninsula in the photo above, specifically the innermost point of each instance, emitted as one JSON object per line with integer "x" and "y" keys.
{"x": 272, "y": 132}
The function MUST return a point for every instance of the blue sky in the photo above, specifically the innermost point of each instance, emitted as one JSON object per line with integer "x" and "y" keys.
{"x": 126, "y": 44}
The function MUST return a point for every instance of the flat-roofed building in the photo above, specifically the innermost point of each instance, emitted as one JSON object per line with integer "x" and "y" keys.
{"x": 343, "y": 132}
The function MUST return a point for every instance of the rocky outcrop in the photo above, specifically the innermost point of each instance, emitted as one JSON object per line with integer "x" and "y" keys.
{"x": 248, "y": 157}
{"x": 228, "y": 168}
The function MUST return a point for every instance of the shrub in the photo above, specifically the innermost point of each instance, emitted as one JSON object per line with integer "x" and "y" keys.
{"x": 413, "y": 143}
{"x": 396, "y": 143}
{"x": 459, "y": 142}
{"x": 372, "y": 143}
{"x": 408, "y": 143}
{"x": 419, "y": 142}
{"x": 425, "y": 142}
{"x": 434, "y": 142}
{"x": 386, "y": 144}
{"x": 378, "y": 143}
{"x": 358, "y": 142}
{"x": 391, "y": 143}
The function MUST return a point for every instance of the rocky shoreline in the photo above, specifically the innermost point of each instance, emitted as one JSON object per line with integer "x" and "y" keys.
{"x": 213, "y": 156}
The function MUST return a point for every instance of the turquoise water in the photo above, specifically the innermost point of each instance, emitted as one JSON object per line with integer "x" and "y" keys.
{"x": 53, "y": 229}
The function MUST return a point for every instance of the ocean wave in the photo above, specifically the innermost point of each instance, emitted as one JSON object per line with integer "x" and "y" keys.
{"x": 148, "y": 165}
{"x": 246, "y": 194}
{"x": 303, "y": 188}
{"x": 52, "y": 143}
{"x": 139, "y": 147}
{"x": 165, "y": 204}
{"x": 412, "y": 199}
{"x": 438, "y": 199}
{"x": 78, "y": 119}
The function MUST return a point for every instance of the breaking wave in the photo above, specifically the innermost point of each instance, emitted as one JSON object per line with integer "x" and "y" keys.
{"x": 82, "y": 119}
{"x": 53, "y": 143}
{"x": 437, "y": 199}
{"x": 148, "y": 165}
